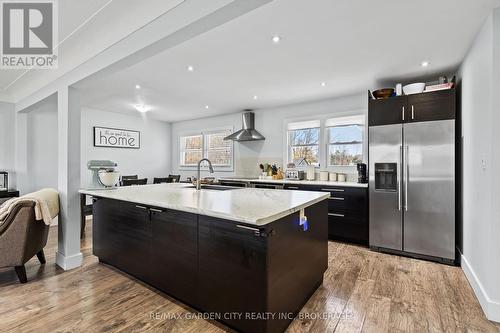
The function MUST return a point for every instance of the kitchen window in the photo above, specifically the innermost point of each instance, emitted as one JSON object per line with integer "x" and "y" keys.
{"x": 209, "y": 144}
{"x": 345, "y": 140}
{"x": 303, "y": 143}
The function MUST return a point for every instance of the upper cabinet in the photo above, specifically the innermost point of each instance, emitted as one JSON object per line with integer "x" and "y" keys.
{"x": 386, "y": 111}
{"x": 437, "y": 105}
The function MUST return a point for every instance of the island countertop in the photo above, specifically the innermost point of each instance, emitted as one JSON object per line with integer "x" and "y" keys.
{"x": 246, "y": 205}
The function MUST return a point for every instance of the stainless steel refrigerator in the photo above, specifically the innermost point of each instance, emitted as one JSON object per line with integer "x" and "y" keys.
{"x": 412, "y": 188}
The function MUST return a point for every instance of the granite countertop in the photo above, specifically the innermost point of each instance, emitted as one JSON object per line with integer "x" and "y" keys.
{"x": 246, "y": 205}
{"x": 300, "y": 182}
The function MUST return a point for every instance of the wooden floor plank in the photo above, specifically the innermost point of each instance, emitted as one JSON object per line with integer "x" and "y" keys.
{"x": 363, "y": 291}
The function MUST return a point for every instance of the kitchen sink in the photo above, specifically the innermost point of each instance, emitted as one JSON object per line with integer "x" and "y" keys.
{"x": 214, "y": 187}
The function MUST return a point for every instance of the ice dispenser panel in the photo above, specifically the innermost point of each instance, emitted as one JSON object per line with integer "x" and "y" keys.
{"x": 386, "y": 176}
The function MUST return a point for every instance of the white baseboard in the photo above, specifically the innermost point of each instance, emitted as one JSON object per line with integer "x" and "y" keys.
{"x": 491, "y": 308}
{"x": 69, "y": 262}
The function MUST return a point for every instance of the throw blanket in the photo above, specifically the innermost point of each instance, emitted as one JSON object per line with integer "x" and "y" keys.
{"x": 46, "y": 205}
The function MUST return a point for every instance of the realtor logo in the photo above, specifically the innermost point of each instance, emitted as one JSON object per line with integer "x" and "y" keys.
{"x": 29, "y": 34}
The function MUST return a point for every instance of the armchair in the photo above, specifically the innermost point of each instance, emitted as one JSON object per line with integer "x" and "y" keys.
{"x": 22, "y": 237}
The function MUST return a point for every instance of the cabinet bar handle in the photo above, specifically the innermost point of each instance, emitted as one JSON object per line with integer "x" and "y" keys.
{"x": 403, "y": 113}
{"x": 293, "y": 187}
{"x": 335, "y": 214}
{"x": 412, "y": 112}
{"x": 256, "y": 231}
{"x": 156, "y": 210}
{"x": 140, "y": 207}
{"x": 247, "y": 228}
{"x": 336, "y": 198}
{"x": 332, "y": 189}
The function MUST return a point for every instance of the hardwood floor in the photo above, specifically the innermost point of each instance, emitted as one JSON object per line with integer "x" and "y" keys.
{"x": 362, "y": 291}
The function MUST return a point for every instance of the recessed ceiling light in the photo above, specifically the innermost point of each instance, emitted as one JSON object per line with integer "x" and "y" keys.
{"x": 255, "y": 97}
{"x": 137, "y": 86}
{"x": 207, "y": 107}
{"x": 142, "y": 108}
{"x": 424, "y": 64}
{"x": 190, "y": 68}
{"x": 323, "y": 84}
{"x": 276, "y": 39}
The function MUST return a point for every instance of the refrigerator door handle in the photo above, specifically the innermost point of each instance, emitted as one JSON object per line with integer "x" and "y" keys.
{"x": 406, "y": 175}
{"x": 399, "y": 180}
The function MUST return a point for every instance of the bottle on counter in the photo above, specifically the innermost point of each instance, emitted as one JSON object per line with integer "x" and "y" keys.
{"x": 311, "y": 172}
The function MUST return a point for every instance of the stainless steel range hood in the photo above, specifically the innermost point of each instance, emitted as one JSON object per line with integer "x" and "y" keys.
{"x": 248, "y": 132}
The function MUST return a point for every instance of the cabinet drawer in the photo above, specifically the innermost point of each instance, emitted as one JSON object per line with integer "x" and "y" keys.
{"x": 354, "y": 203}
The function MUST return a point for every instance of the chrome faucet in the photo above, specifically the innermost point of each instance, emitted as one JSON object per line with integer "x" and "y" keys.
{"x": 198, "y": 179}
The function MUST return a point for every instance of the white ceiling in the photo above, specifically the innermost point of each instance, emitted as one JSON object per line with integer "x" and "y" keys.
{"x": 86, "y": 28}
{"x": 351, "y": 45}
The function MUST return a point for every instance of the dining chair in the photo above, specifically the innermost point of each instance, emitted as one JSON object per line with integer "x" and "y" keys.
{"x": 163, "y": 180}
{"x": 176, "y": 178}
{"x": 132, "y": 177}
{"x": 129, "y": 182}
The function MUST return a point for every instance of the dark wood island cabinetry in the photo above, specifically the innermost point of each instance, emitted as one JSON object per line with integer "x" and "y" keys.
{"x": 256, "y": 278}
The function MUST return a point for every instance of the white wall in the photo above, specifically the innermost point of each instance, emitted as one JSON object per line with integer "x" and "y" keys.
{"x": 480, "y": 82}
{"x": 7, "y": 140}
{"x": 42, "y": 146}
{"x": 151, "y": 160}
{"x": 270, "y": 123}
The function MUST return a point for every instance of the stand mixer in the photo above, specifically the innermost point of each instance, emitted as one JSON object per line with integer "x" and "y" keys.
{"x": 104, "y": 174}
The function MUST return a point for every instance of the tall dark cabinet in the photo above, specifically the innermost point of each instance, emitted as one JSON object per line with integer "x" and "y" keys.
{"x": 414, "y": 175}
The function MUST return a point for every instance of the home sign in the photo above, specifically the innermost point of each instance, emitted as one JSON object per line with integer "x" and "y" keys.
{"x": 116, "y": 138}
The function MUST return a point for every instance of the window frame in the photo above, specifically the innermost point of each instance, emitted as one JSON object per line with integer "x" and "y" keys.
{"x": 329, "y": 143}
{"x": 204, "y": 150}
{"x": 290, "y": 146}
{"x": 184, "y": 150}
{"x": 325, "y": 121}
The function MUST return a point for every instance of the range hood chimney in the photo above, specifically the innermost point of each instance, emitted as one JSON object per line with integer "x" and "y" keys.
{"x": 248, "y": 132}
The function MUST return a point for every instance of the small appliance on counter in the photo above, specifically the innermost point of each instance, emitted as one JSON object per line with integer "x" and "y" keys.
{"x": 4, "y": 181}
{"x": 362, "y": 175}
{"x": 292, "y": 174}
{"x": 104, "y": 174}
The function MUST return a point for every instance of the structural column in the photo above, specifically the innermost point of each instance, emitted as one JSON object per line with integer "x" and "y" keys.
{"x": 21, "y": 152}
{"x": 68, "y": 254}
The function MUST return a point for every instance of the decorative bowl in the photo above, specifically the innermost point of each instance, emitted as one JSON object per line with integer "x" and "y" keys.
{"x": 109, "y": 178}
{"x": 414, "y": 88}
{"x": 383, "y": 93}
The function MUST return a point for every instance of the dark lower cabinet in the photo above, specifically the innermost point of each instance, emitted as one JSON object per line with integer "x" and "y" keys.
{"x": 347, "y": 211}
{"x": 175, "y": 253}
{"x": 232, "y": 266}
{"x": 121, "y": 236}
{"x": 259, "y": 271}
{"x": 256, "y": 279}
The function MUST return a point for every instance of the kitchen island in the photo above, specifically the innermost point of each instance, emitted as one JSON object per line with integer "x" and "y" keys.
{"x": 245, "y": 256}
